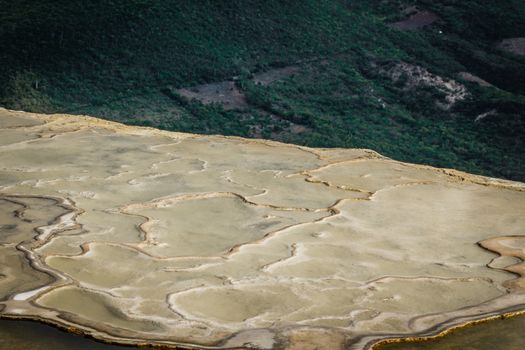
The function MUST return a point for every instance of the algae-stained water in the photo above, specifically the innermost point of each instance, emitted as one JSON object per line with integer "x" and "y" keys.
{"x": 24, "y": 335}
{"x": 505, "y": 334}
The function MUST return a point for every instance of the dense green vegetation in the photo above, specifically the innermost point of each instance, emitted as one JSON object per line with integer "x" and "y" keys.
{"x": 124, "y": 60}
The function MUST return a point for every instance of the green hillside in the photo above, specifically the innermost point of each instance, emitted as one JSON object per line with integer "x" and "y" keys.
{"x": 358, "y": 81}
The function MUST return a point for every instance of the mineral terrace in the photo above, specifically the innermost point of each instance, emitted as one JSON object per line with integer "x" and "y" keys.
{"x": 135, "y": 235}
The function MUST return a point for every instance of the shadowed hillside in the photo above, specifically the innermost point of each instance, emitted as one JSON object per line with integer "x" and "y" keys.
{"x": 435, "y": 82}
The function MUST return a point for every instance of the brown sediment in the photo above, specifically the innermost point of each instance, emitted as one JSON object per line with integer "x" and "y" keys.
{"x": 216, "y": 242}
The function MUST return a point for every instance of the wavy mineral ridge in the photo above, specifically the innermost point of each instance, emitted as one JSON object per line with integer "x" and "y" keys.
{"x": 135, "y": 235}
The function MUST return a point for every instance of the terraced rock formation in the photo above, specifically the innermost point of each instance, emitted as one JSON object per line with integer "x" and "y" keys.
{"x": 136, "y": 235}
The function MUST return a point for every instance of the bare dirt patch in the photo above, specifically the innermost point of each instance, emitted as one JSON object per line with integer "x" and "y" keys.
{"x": 416, "y": 21}
{"x": 466, "y": 76}
{"x": 288, "y": 128}
{"x": 270, "y": 76}
{"x": 224, "y": 93}
{"x": 227, "y": 94}
{"x": 513, "y": 45}
{"x": 291, "y": 129}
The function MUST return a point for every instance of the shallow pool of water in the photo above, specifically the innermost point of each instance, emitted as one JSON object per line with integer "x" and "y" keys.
{"x": 25, "y": 335}
{"x": 506, "y": 334}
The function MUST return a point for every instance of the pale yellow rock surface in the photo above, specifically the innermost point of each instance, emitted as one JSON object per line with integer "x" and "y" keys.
{"x": 138, "y": 235}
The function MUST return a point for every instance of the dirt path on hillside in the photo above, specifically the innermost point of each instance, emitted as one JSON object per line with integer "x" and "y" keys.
{"x": 416, "y": 21}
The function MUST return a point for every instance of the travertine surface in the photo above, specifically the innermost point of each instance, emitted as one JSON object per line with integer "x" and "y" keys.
{"x": 137, "y": 235}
